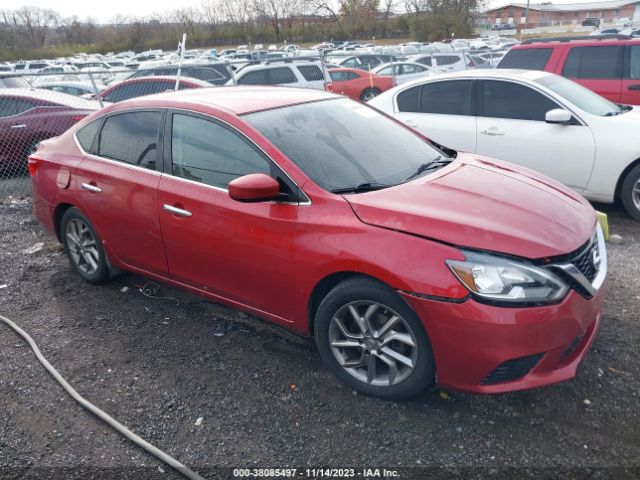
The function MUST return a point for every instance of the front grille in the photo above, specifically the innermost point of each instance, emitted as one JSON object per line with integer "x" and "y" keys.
{"x": 584, "y": 260}
{"x": 512, "y": 369}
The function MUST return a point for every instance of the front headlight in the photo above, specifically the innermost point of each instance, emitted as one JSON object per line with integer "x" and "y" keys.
{"x": 503, "y": 280}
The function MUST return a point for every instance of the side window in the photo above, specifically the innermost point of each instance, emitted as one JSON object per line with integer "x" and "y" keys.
{"x": 120, "y": 93}
{"x": 518, "y": 102}
{"x": 385, "y": 71}
{"x": 409, "y": 100}
{"x": 593, "y": 62}
{"x": 5, "y": 107}
{"x": 424, "y": 61}
{"x": 526, "y": 58}
{"x": 351, "y": 63}
{"x": 448, "y": 98}
{"x": 281, "y": 75}
{"x": 257, "y": 77}
{"x": 10, "y": 106}
{"x": 87, "y": 134}
{"x": 131, "y": 138}
{"x": 206, "y": 152}
{"x": 311, "y": 73}
{"x": 634, "y": 63}
{"x": 351, "y": 75}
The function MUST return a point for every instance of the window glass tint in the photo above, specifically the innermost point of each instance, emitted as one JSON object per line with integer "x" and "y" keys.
{"x": 281, "y": 75}
{"x": 341, "y": 143}
{"x": 207, "y": 152}
{"x": 14, "y": 82}
{"x": 14, "y": 106}
{"x": 593, "y": 62}
{"x": 424, "y": 60}
{"x": 350, "y": 63}
{"x": 518, "y": 102}
{"x": 634, "y": 63}
{"x": 257, "y": 77}
{"x": 311, "y": 73}
{"x": 446, "y": 59}
{"x": 527, "y": 59}
{"x": 449, "y": 98}
{"x": 409, "y": 100}
{"x": 580, "y": 96}
{"x": 130, "y": 137}
{"x": 86, "y": 135}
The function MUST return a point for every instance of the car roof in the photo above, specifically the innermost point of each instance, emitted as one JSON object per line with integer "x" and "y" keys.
{"x": 498, "y": 74}
{"x": 49, "y": 96}
{"x": 236, "y": 99}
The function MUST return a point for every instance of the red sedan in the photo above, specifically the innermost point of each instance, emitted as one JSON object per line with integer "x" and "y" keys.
{"x": 329, "y": 218}
{"x": 358, "y": 84}
{"x": 140, "y": 86}
{"x": 28, "y": 116}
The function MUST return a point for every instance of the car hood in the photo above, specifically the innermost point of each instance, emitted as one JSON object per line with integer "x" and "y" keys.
{"x": 481, "y": 203}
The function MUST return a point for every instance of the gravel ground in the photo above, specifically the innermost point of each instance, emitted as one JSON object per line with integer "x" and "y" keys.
{"x": 263, "y": 395}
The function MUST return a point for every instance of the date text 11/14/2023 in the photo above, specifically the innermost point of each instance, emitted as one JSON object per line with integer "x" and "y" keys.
{"x": 314, "y": 473}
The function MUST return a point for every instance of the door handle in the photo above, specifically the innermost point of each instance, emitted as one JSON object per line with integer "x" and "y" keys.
{"x": 18, "y": 126}
{"x": 492, "y": 131}
{"x": 634, "y": 87}
{"x": 411, "y": 123}
{"x": 90, "y": 188}
{"x": 177, "y": 211}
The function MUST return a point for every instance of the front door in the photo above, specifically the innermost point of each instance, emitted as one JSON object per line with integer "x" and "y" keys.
{"x": 512, "y": 127}
{"x": 238, "y": 251}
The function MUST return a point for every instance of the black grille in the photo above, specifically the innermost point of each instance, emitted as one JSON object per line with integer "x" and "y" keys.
{"x": 512, "y": 369}
{"x": 584, "y": 260}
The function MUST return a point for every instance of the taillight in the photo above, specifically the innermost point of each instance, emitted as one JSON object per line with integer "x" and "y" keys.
{"x": 34, "y": 161}
{"x": 77, "y": 118}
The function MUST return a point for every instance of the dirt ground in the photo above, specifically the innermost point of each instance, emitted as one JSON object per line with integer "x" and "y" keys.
{"x": 263, "y": 396}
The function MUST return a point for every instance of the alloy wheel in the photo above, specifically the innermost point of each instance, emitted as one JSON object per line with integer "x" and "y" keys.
{"x": 82, "y": 246}
{"x": 635, "y": 194}
{"x": 373, "y": 343}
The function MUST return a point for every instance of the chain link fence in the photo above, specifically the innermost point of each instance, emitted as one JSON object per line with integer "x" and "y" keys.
{"x": 37, "y": 106}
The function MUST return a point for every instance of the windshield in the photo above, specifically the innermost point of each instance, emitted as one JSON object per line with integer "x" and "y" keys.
{"x": 341, "y": 144}
{"x": 581, "y": 97}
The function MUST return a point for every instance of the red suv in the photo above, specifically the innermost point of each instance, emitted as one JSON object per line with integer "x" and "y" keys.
{"x": 609, "y": 65}
{"x": 328, "y": 217}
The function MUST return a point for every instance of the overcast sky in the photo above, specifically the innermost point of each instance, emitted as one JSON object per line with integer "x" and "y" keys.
{"x": 103, "y": 12}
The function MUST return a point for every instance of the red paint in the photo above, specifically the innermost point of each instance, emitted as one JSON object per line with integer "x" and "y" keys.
{"x": 621, "y": 89}
{"x": 254, "y": 187}
{"x": 356, "y": 87}
{"x": 267, "y": 257}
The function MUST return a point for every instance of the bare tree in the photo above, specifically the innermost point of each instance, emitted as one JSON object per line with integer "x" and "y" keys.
{"x": 37, "y": 21}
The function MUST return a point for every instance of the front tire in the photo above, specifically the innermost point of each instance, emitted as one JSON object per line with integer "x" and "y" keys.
{"x": 83, "y": 247}
{"x": 373, "y": 341}
{"x": 369, "y": 93}
{"x": 630, "y": 193}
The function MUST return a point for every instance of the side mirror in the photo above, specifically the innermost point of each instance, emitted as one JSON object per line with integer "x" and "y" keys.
{"x": 256, "y": 187}
{"x": 558, "y": 116}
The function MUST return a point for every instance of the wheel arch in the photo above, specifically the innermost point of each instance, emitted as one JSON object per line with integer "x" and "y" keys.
{"x": 623, "y": 175}
{"x": 58, "y": 213}
{"x": 325, "y": 285}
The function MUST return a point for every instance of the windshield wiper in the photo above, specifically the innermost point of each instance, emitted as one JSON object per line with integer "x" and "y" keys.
{"x": 363, "y": 187}
{"x": 623, "y": 109}
{"x": 425, "y": 167}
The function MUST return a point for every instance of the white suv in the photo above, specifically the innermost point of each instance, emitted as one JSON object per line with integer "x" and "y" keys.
{"x": 290, "y": 72}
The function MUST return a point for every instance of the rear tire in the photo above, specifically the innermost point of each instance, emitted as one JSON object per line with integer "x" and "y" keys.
{"x": 369, "y": 93}
{"x": 83, "y": 247}
{"x": 630, "y": 193}
{"x": 373, "y": 341}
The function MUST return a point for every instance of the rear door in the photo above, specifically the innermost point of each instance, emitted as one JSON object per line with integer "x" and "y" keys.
{"x": 442, "y": 111}
{"x": 237, "y": 251}
{"x": 631, "y": 76}
{"x": 118, "y": 180}
{"x": 16, "y": 131}
{"x": 598, "y": 68}
{"x": 512, "y": 127}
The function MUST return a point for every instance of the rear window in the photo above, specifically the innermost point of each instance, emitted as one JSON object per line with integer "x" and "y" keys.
{"x": 594, "y": 62}
{"x": 527, "y": 59}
